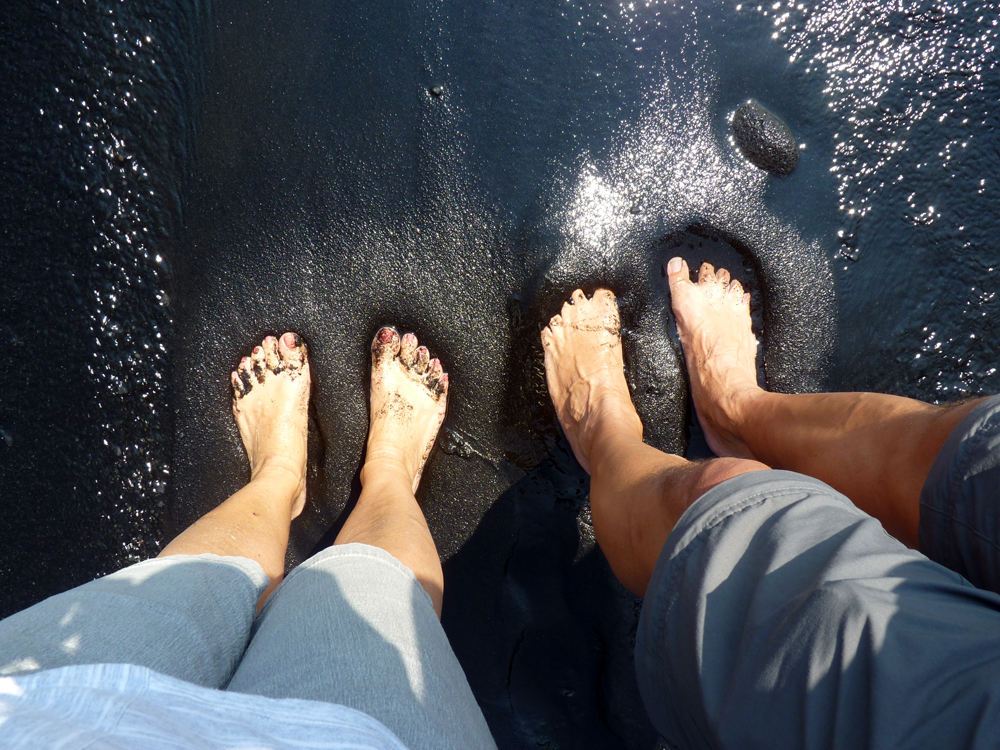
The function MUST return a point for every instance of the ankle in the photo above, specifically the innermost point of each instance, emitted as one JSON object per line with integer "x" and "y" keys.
{"x": 611, "y": 422}
{"x": 386, "y": 469}
{"x": 278, "y": 470}
{"x": 740, "y": 408}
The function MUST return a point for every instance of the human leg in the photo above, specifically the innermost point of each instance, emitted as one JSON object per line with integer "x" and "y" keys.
{"x": 877, "y": 449}
{"x": 357, "y": 624}
{"x": 270, "y": 404}
{"x": 188, "y": 613}
{"x": 186, "y": 617}
{"x": 637, "y": 493}
{"x": 409, "y": 396}
{"x": 780, "y": 615}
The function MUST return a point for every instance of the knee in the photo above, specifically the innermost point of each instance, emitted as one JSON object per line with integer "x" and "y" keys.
{"x": 716, "y": 471}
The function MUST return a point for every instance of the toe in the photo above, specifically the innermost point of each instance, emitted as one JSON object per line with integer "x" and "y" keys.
{"x": 234, "y": 378}
{"x": 243, "y": 372}
{"x": 736, "y": 289}
{"x": 432, "y": 378}
{"x": 577, "y": 297}
{"x": 254, "y": 364}
{"x": 423, "y": 361}
{"x": 290, "y": 341}
{"x": 722, "y": 275}
{"x": 386, "y": 343}
{"x": 678, "y": 272}
{"x": 271, "y": 357}
{"x": 706, "y": 273}
{"x": 408, "y": 350}
{"x": 547, "y": 336}
{"x": 291, "y": 349}
{"x": 604, "y": 294}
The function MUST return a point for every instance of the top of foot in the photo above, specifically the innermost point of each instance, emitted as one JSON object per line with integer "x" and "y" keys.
{"x": 713, "y": 321}
{"x": 409, "y": 398}
{"x": 271, "y": 406}
{"x": 585, "y": 371}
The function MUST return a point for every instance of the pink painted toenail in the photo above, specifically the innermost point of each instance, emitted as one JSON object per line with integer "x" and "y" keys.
{"x": 289, "y": 340}
{"x": 256, "y": 350}
{"x": 244, "y": 360}
{"x": 386, "y": 335}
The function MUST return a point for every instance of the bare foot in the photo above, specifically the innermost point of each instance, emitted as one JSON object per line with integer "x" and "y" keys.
{"x": 585, "y": 371}
{"x": 408, "y": 400}
{"x": 713, "y": 320}
{"x": 271, "y": 406}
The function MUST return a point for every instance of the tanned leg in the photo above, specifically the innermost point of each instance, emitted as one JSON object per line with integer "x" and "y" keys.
{"x": 270, "y": 403}
{"x": 409, "y": 396}
{"x": 637, "y": 493}
{"x": 876, "y": 449}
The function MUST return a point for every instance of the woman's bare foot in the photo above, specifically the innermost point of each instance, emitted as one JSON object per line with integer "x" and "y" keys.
{"x": 585, "y": 371}
{"x": 271, "y": 406}
{"x": 713, "y": 320}
{"x": 409, "y": 398}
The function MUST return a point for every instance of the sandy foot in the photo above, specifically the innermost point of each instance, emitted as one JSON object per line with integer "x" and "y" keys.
{"x": 271, "y": 406}
{"x": 409, "y": 398}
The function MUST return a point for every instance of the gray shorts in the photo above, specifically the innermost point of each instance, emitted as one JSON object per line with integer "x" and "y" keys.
{"x": 351, "y": 625}
{"x": 781, "y": 616}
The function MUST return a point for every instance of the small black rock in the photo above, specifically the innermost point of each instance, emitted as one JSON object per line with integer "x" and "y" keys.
{"x": 764, "y": 139}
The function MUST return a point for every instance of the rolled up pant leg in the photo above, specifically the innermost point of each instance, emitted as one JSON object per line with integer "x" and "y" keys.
{"x": 184, "y": 616}
{"x": 781, "y": 616}
{"x": 352, "y": 625}
{"x": 960, "y": 502}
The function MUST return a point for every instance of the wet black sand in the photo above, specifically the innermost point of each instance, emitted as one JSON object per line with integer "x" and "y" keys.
{"x": 456, "y": 170}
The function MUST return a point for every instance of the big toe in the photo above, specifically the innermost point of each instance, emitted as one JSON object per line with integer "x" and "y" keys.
{"x": 291, "y": 348}
{"x": 678, "y": 274}
{"x": 386, "y": 344}
{"x": 605, "y": 295}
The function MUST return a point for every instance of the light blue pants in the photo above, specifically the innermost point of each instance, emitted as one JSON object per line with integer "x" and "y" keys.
{"x": 351, "y": 625}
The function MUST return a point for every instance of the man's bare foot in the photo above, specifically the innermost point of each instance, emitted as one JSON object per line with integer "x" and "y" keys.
{"x": 409, "y": 398}
{"x": 271, "y": 406}
{"x": 585, "y": 371}
{"x": 713, "y": 320}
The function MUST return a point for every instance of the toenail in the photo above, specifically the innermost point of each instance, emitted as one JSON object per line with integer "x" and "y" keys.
{"x": 386, "y": 335}
{"x": 674, "y": 265}
{"x": 256, "y": 350}
{"x": 244, "y": 360}
{"x": 289, "y": 340}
